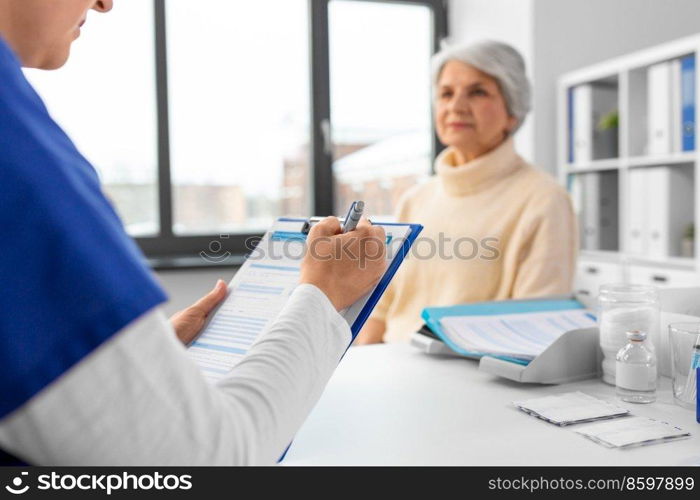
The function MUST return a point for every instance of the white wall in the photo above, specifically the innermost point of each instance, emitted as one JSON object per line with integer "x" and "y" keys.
{"x": 508, "y": 21}
{"x": 570, "y": 34}
{"x": 557, "y": 36}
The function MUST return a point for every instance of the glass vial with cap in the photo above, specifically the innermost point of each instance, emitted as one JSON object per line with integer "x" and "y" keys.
{"x": 635, "y": 370}
{"x": 622, "y": 308}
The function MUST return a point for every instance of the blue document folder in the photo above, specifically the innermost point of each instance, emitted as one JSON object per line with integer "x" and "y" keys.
{"x": 570, "y": 123}
{"x": 433, "y": 315}
{"x": 688, "y": 102}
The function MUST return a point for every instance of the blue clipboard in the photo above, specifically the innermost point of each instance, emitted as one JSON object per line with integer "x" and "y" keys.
{"x": 388, "y": 275}
{"x": 433, "y": 315}
{"x": 378, "y": 290}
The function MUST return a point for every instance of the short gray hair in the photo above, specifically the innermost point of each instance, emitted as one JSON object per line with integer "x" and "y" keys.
{"x": 498, "y": 60}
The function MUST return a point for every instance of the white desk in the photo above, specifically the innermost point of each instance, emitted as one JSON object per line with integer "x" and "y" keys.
{"x": 392, "y": 405}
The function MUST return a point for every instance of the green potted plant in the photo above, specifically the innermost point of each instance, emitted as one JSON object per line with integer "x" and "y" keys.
{"x": 688, "y": 242}
{"x": 606, "y": 145}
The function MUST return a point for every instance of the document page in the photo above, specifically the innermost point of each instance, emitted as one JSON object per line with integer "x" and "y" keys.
{"x": 257, "y": 294}
{"x": 570, "y": 408}
{"x": 522, "y": 336}
{"x": 632, "y": 431}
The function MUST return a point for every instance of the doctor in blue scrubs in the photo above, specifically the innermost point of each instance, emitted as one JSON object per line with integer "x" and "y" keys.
{"x": 92, "y": 371}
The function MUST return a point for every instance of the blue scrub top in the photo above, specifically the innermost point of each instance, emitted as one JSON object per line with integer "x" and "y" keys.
{"x": 70, "y": 277}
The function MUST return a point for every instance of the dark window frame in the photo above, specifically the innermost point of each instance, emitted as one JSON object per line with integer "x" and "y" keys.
{"x": 167, "y": 249}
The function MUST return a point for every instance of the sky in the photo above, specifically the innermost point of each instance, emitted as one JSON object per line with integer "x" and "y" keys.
{"x": 238, "y": 84}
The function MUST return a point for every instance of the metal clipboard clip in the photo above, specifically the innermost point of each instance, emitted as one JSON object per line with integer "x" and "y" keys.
{"x": 308, "y": 224}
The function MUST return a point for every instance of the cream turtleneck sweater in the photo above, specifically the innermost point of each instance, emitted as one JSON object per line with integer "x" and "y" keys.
{"x": 495, "y": 228}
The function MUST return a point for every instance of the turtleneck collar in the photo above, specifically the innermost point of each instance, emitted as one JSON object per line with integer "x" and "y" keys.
{"x": 478, "y": 174}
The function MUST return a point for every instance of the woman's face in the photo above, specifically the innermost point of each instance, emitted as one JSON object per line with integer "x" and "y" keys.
{"x": 41, "y": 31}
{"x": 470, "y": 111}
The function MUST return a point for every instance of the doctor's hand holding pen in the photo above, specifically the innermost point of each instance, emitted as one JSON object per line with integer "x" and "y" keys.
{"x": 344, "y": 265}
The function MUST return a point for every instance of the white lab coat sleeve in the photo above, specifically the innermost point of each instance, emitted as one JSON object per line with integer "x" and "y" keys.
{"x": 140, "y": 400}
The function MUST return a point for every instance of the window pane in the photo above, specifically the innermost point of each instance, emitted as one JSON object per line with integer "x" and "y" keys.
{"x": 380, "y": 101}
{"x": 239, "y": 113}
{"x": 104, "y": 98}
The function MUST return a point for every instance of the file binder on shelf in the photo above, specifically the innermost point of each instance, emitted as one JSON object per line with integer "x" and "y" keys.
{"x": 671, "y": 106}
{"x": 659, "y": 108}
{"x": 587, "y": 104}
{"x": 637, "y": 236}
{"x": 688, "y": 102}
{"x": 591, "y": 210}
{"x": 661, "y": 208}
{"x": 575, "y": 355}
{"x": 676, "y": 106}
{"x": 570, "y": 123}
{"x": 582, "y": 124}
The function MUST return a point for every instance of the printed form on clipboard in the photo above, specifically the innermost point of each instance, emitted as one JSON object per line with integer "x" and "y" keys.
{"x": 262, "y": 286}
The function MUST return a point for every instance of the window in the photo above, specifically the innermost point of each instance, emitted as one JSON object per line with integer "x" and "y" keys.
{"x": 117, "y": 135}
{"x": 227, "y": 124}
{"x": 380, "y": 101}
{"x": 239, "y": 113}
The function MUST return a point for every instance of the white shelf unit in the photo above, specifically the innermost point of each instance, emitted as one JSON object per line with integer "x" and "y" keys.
{"x": 616, "y": 259}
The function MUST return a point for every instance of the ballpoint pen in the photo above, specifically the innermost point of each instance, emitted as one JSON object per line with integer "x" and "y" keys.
{"x": 349, "y": 223}
{"x": 353, "y": 216}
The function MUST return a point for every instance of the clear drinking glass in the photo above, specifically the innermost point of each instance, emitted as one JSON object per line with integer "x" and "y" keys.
{"x": 685, "y": 350}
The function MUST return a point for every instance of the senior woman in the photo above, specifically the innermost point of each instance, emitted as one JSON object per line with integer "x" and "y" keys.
{"x": 501, "y": 229}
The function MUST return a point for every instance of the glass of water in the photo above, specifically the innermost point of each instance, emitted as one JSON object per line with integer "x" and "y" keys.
{"x": 684, "y": 339}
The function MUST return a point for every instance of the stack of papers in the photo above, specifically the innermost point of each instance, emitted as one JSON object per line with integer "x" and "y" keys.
{"x": 570, "y": 408}
{"x": 632, "y": 431}
{"x": 520, "y": 336}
